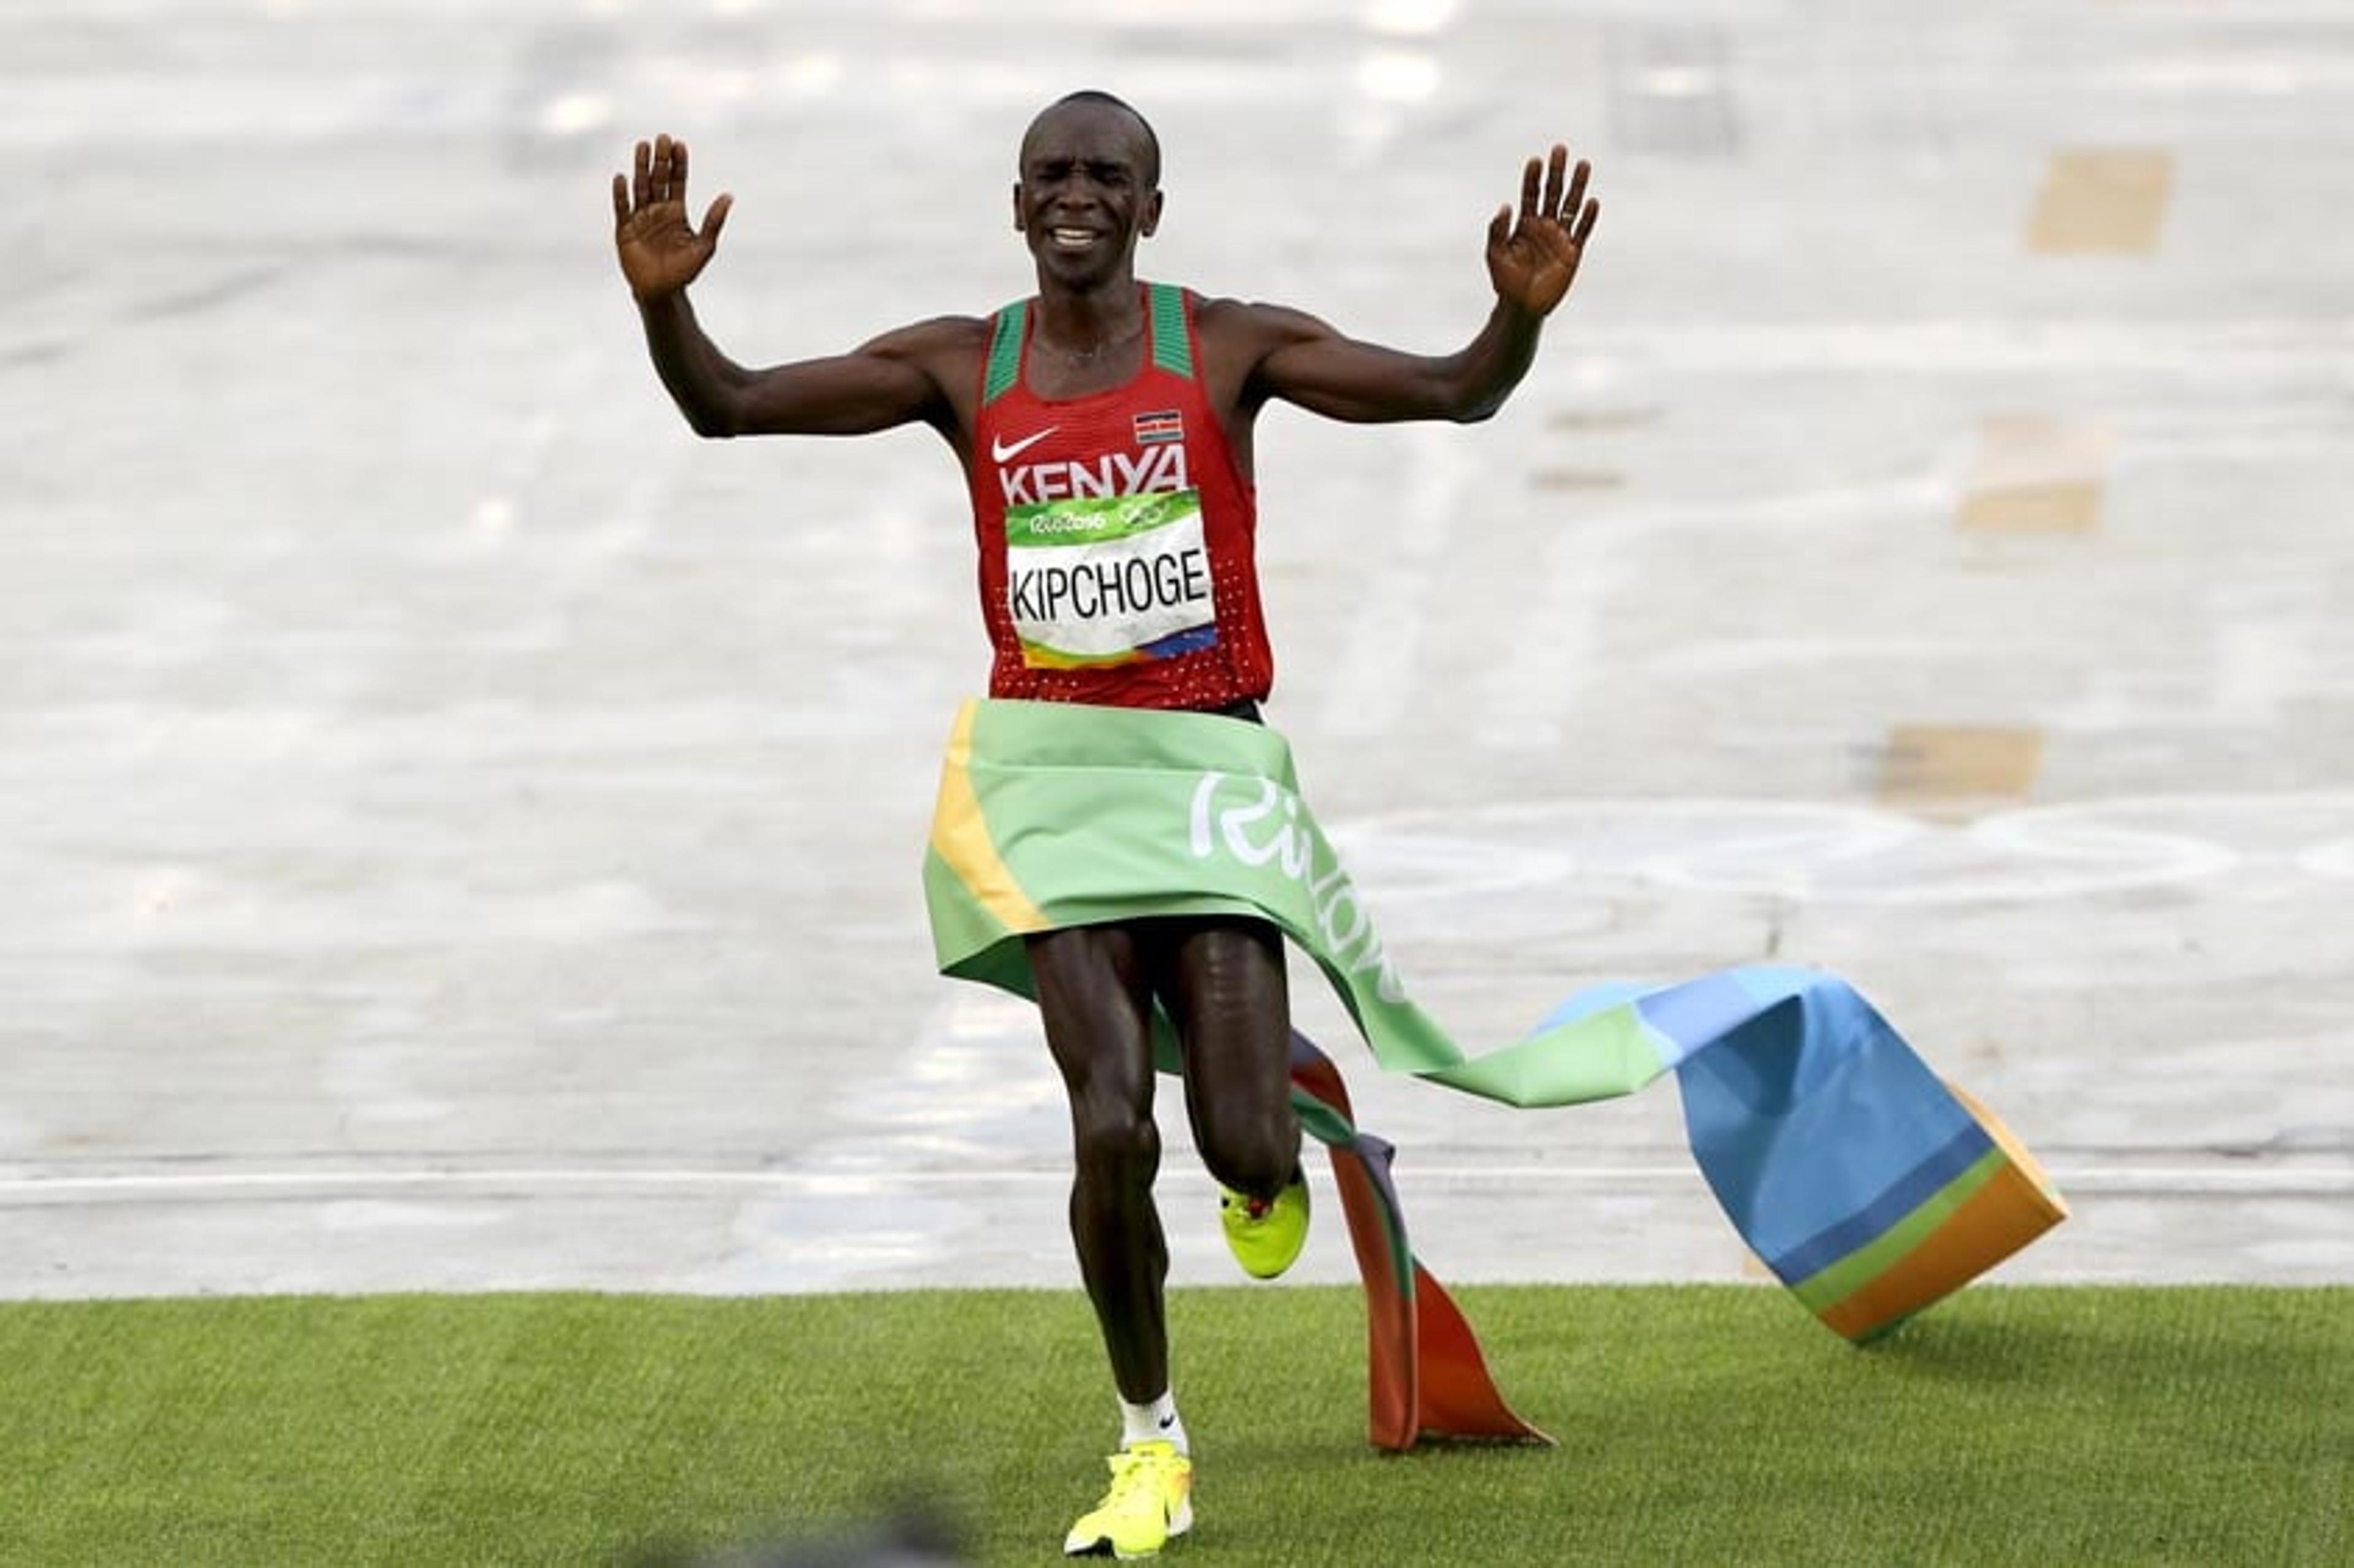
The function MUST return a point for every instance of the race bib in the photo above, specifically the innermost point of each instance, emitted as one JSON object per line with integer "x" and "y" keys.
{"x": 1108, "y": 579}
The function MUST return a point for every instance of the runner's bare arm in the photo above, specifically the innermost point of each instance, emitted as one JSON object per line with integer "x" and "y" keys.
{"x": 898, "y": 378}
{"x": 892, "y": 380}
{"x": 1533, "y": 260}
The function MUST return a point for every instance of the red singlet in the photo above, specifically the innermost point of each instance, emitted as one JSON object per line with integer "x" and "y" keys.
{"x": 1116, "y": 531}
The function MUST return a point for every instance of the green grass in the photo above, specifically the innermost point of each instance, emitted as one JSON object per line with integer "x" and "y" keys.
{"x": 1698, "y": 1424}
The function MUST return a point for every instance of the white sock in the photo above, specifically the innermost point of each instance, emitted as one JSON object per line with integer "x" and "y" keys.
{"x": 1153, "y": 1422}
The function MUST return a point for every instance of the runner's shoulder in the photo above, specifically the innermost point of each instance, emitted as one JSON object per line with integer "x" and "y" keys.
{"x": 1254, "y": 328}
{"x": 943, "y": 342}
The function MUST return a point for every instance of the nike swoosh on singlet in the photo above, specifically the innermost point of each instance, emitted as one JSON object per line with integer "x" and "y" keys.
{"x": 999, "y": 450}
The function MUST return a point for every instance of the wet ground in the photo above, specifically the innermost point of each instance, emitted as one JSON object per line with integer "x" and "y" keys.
{"x": 460, "y": 831}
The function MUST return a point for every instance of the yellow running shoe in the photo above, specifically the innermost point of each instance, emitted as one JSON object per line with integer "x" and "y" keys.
{"x": 1266, "y": 1233}
{"x": 1150, "y": 1499}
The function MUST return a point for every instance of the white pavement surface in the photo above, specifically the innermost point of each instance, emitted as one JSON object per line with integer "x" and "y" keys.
{"x": 459, "y": 831}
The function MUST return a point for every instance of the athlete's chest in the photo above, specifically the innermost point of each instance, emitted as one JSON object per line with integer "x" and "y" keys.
{"x": 1142, "y": 440}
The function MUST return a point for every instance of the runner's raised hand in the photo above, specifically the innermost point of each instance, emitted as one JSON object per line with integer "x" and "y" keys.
{"x": 659, "y": 253}
{"x": 1533, "y": 258}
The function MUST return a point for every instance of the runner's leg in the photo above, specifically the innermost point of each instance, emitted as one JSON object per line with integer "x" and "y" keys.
{"x": 1093, "y": 996}
{"x": 1222, "y": 984}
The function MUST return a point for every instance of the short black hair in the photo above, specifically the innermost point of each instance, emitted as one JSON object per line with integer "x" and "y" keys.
{"x": 1111, "y": 101}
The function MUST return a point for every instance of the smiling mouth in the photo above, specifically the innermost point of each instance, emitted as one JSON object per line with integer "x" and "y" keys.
{"x": 1071, "y": 239}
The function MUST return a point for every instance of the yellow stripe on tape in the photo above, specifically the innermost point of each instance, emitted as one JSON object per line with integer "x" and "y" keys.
{"x": 960, "y": 837}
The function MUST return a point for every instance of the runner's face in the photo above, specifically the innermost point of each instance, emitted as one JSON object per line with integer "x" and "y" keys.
{"x": 1084, "y": 199}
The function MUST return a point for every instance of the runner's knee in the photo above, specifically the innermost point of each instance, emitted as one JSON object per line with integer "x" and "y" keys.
{"x": 1115, "y": 1142}
{"x": 1253, "y": 1149}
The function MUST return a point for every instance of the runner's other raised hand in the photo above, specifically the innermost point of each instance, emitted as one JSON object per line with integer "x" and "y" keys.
{"x": 659, "y": 253}
{"x": 1533, "y": 258}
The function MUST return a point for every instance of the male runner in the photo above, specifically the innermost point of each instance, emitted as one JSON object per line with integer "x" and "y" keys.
{"x": 1123, "y": 411}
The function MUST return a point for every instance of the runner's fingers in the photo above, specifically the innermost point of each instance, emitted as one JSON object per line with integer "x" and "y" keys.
{"x": 662, "y": 168}
{"x": 678, "y": 170}
{"x": 1499, "y": 227}
{"x": 1585, "y": 220}
{"x": 1574, "y": 203}
{"x": 644, "y": 173}
{"x": 620, "y": 199}
{"x": 1553, "y": 161}
{"x": 715, "y": 218}
{"x": 1529, "y": 191}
